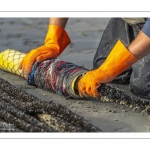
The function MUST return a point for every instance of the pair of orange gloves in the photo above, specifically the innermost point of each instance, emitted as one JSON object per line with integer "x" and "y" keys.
{"x": 57, "y": 40}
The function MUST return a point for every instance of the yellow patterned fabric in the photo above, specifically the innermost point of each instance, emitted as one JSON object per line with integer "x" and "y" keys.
{"x": 10, "y": 60}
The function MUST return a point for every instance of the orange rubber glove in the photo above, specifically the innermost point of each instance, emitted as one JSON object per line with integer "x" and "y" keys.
{"x": 55, "y": 42}
{"x": 117, "y": 61}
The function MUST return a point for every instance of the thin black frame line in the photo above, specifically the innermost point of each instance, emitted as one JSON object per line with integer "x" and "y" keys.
{"x": 75, "y": 11}
{"x": 79, "y": 138}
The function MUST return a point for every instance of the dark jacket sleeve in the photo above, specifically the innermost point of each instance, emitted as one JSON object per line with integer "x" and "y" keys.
{"x": 146, "y": 27}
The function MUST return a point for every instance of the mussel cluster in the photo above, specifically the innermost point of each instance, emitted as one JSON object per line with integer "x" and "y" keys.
{"x": 24, "y": 111}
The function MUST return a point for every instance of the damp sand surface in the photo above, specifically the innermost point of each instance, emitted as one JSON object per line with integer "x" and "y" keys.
{"x": 24, "y": 34}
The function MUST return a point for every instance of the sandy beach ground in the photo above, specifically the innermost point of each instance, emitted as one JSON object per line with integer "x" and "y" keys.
{"x": 24, "y": 34}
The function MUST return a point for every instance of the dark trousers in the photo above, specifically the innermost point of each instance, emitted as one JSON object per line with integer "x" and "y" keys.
{"x": 138, "y": 76}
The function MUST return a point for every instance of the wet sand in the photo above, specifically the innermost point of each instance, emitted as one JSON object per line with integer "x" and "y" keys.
{"x": 24, "y": 34}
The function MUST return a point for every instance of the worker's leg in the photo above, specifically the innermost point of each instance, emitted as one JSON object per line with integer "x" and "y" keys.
{"x": 140, "y": 78}
{"x": 116, "y": 29}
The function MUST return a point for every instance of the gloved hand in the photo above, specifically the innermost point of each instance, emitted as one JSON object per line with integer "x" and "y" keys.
{"x": 55, "y": 42}
{"x": 117, "y": 61}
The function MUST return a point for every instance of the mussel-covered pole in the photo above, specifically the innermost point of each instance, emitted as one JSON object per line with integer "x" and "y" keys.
{"x": 62, "y": 78}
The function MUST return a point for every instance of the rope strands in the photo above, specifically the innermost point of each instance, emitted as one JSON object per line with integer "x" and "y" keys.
{"x": 56, "y": 76}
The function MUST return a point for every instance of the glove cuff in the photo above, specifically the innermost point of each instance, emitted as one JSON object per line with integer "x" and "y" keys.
{"x": 57, "y": 38}
{"x": 119, "y": 59}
